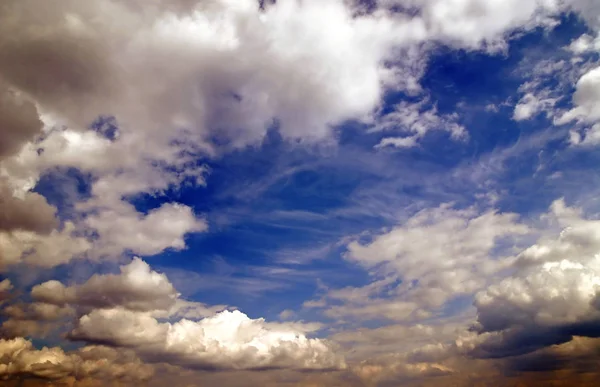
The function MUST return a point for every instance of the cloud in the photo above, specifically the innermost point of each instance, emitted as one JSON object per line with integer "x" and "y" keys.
{"x": 551, "y": 296}
{"x": 338, "y": 72}
{"x": 36, "y": 319}
{"x": 137, "y": 287}
{"x": 586, "y": 100}
{"x": 30, "y": 213}
{"x": 476, "y": 24}
{"x": 228, "y": 340}
{"x": 59, "y": 246}
{"x": 585, "y": 43}
{"x": 530, "y": 105}
{"x": 19, "y": 121}
{"x": 5, "y": 289}
{"x": 129, "y": 309}
{"x": 420, "y": 276}
{"x": 162, "y": 228}
{"x": 173, "y": 86}
{"x": 416, "y": 120}
{"x": 19, "y": 360}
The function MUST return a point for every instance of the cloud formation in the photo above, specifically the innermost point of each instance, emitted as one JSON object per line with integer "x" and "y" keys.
{"x": 552, "y": 296}
{"x": 127, "y": 310}
{"x": 141, "y": 99}
{"x": 21, "y": 361}
{"x": 415, "y": 276}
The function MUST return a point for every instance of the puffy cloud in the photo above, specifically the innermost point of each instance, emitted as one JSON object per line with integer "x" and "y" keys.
{"x": 31, "y": 212}
{"x": 479, "y": 23}
{"x": 173, "y": 85}
{"x": 60, "y": 246}
{"x": 20, "y": 360}
{"x": 110, "y": 45}
{"x": 19, "y": 121}
{"x": 162, "y": 228}
{"x": 5, "y": 285}
{"x": 228, "y": 340}
{"x": 551, "y": 296}
{"x": 586, "y": 100}
{"x": 137, "y": 287}
{"x": 22, "y": 211}
{"x": 5, "y": 288}
{"x": 436, "y": 255}
{"x": 585, "y": 43}
{"x": 129, "y": 310}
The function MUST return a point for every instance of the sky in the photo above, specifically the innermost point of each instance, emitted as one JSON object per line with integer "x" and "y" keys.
{"x": 361, "y": 193}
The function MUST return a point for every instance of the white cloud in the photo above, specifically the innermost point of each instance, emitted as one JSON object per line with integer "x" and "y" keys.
{"x": 129, "y": 309}
{"x": 480, "y": 23}
{"x": 552, "y": 293}
{"x": 228, "y": 340}
{"x": 433, "y": 257}
{"x": 123, "y": 228}
{"x": 530, "y": 105}
{"x": 586, "y": 99}
{"x": 398, "y": 142}
{"x": 137, "y": 287}
{"x": 586, "y": 110}
{"x": 585, "y": 43}
{"x": 416, "y": 120}
{"x": 173, "y": 83}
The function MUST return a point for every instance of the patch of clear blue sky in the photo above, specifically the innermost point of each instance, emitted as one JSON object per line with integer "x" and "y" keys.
{"x": 278, "y": 211}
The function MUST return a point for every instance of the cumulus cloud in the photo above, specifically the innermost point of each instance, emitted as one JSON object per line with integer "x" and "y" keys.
{"x": 228, "y": 340}
{"x": 19, "y": 121}
{"x": 164, "y": 84}
{"x": 173, "y": 85}
{"x": 59, "y": 246}
{"x": 480, "y": 23}
{"x": 137, "y": 287}
{"x": 585, "y": 111}
{"x": 552, "y": 295}
{"x": 586, "y": 98}
{"x": 585, "y": 43}
{"x": 162, "y": 228}
{"x": 338, "y": 72}
{"x": 31, "y": 212}
{"x": 20, "y": 360}
{"x": 420, "y": 276}
{"x": 36, "y": 319}
{"x": 129, "y": 309}
{"x": 5, "y": 288}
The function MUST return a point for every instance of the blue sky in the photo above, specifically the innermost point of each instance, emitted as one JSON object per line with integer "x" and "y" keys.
{"x": 404, "y": 194}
